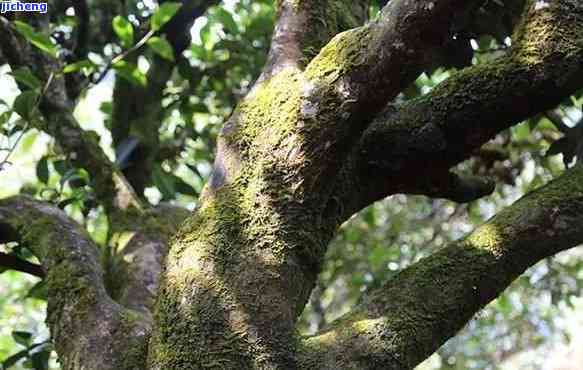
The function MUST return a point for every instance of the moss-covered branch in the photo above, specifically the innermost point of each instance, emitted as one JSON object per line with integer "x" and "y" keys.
{"x": 445, "y": 126}
{"x": 134, "y": 270}
{"x": 342, "y": 88}
{"x": 370, "y": 65}
{"x": 241, "y": 269}
{"x": 415, "y": 312}
{"x": 89, "y": 329}
{"x": 304, "y": 26}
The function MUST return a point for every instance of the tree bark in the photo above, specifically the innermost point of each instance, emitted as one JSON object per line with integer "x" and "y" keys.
{"x": 311, "y": 144}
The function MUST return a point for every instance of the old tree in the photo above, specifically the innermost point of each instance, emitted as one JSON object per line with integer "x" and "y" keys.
{"x": 329, "y": 126}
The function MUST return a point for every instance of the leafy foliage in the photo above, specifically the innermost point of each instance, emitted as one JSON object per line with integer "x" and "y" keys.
{"x": 218, "y": 67}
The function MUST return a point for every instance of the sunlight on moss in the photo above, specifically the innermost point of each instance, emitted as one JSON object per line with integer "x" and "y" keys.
{"x": 363, "y": 326}
{"x": 486, "y": 237}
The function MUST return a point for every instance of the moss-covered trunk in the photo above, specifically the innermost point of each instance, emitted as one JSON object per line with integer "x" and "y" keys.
{"x": 241, "y": 270}
{"x": 303, "y": 151}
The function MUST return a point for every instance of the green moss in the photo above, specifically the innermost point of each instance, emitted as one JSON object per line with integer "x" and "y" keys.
{"x": 269, "y": 112}
{"x": 331, "y": 17}
{"x": 156, "y": 222}
{"x": 136, "y": 350}
{"x": 345, "y": 51}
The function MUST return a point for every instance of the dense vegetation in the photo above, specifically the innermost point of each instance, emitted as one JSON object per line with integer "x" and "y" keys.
{"x": 111, "y": 111}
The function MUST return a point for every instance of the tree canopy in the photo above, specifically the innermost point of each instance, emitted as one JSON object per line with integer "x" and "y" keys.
{"x": 291, "y": 184}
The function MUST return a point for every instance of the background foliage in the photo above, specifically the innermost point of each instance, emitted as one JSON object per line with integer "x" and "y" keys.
{"x": 527, "y": 327}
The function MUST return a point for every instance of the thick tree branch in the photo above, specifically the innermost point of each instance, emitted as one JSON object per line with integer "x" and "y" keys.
{"x": 445, "y": 126}
{"x": 241, "y": 270}
{"x": 399, "y": 326}
{"x": 8, "y": 261}
{"x": 303, "y": 27}
{"x": 370, "y": 65}
{"x": 342, "y": 88}
{"x": 136, "y": 268}
{"x": 338, "y": 94}
{"x": 415, "y": 312}
{"x": 177, "y": 30}
{"x": 89, "y": 329}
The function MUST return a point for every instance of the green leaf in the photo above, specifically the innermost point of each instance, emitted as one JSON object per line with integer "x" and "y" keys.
{"x": 42, "y": 170}
{"x": 184, "y": 188}
{"x": 521, "y": 132}
{"x": 5, "y": 117}
{"x": 106, "y": 107}
{"x": 198, "y": 52}
{"x": 28, "y": 141}
{"x": 164, "y": 13}
{"x": 62, "y": 204}
{"x": 124, "y": 30}
{"x": 199, "y": 107}
{"x": 86, "y": 66}
{"x": 12, "y": 360}
{"x": 130, "y": 72}
{"x": 161, "y": 47}
{"x": 22, "y": 337}
{"x": 25, "y": 104}
{"x": 205, "y": 36}
{"x": 25, "y": 77}
{"x": 164, "y": 182}
{"x": 21, "y": 252}
{"x": 226, "y": 19}
{"x": 61, "y": 166}
{"x": 40, "y": 360}
{"x": 43, "y": 42}
{"x": 38, "y": 291}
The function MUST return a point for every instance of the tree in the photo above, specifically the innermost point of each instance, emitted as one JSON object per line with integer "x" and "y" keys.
{"x": 326, "y": 130}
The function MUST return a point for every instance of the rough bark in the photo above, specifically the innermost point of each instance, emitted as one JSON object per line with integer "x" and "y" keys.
{"x": 303, "y": 27}
{"x": 444, "y": 127}
{"x": 134, "y": 270}
{"x": 89, "y": 329}
{"x": 309, "y": 146}
{"x": 241, "y": 270}
{"x": 415, "y": 312}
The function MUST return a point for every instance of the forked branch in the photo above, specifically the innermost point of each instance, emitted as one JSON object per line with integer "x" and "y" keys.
{"x": 448, "y": 124}
{"x": 415, "y": 312}
{"x": 89, "y": 329}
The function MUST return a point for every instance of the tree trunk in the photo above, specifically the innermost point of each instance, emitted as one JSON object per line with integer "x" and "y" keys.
{"x": 310, "y": 145}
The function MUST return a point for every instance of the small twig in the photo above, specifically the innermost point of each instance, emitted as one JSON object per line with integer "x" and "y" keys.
{"x": 26, "y": 126}
{"x": 118, "y": 58}
{"x": 6, "y": 161}
{"x": 17, "y": 264}
{"x": 138, "y": 45}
